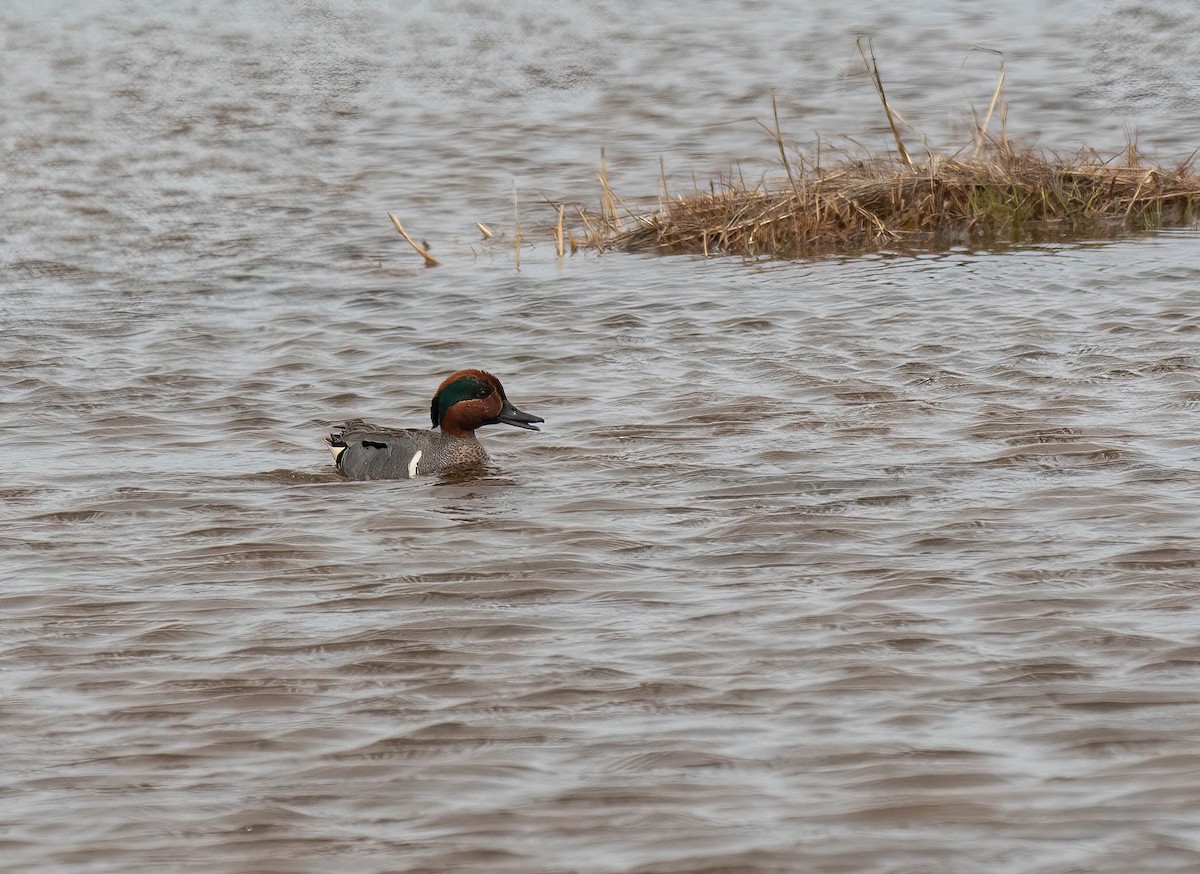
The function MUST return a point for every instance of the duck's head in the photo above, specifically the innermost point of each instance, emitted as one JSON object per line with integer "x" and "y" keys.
{"x": 468, "y": 399}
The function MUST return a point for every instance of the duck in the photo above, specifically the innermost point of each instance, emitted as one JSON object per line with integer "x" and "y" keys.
{"x": 466, "y": 400}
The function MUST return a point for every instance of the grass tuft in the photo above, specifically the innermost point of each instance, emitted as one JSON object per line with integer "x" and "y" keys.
{"x": 998, "y": 195}
{"x": 887, "y": 204}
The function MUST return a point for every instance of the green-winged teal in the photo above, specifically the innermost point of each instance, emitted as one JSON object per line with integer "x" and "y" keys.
{"x": 466, "y": 400}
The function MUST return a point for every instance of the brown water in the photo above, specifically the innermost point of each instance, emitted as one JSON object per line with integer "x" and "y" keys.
{"x": 868, "y": 565}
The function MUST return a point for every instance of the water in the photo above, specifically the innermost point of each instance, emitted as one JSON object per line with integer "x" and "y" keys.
{"x": 869, "y": 565}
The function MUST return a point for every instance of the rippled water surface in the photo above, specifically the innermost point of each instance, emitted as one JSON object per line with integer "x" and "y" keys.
{"x": 880, "y": 564}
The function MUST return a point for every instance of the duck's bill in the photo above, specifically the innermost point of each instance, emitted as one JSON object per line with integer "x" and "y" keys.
{"x": 510, "y": 415}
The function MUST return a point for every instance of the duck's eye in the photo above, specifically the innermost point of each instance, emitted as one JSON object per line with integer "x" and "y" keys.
{"x": 483, "y": 391}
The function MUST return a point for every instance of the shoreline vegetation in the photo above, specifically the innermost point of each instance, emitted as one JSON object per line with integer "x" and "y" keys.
{"x": 884, "y": 204}
{"x": 996, "y": 195}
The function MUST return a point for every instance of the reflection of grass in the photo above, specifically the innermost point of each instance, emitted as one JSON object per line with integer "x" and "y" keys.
{"x": 998, "y": 195}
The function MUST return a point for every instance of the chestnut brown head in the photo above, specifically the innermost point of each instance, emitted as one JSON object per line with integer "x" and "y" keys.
{"x": 469, "y": 399}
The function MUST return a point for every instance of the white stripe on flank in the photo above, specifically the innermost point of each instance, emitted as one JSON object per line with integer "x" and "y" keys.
{"x": 412, "y": 465}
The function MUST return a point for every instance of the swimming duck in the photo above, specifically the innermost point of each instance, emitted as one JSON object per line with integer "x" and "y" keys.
{"x": 466, "y": 400}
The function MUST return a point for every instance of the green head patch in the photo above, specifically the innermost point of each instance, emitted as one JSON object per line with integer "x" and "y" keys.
{"x": 465, "y": 388}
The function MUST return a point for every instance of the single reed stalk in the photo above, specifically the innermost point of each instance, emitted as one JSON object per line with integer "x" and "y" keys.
{"x": 558, "y": 233}
{"x": 997, "y": 98}
{"x": 779, "y": 141}
{"x": 430, "y": 261}
{"x": 873, "y": 69}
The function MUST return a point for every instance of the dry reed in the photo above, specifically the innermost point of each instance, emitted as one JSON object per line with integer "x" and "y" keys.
{"x": 423, "y": 251}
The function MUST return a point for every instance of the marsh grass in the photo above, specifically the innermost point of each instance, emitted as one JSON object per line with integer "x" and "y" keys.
{"x": 997, "y": 195}
{"x": 885, "y": 204}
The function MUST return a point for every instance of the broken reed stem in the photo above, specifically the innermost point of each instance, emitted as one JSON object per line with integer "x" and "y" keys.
{"x": 430, "y": 261}
{"x": 558, "y": 233}
{"x": 873, "y": 69}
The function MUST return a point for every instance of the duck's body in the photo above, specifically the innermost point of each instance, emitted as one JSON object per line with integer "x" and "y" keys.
{"x": 466, "y": 400}
{"x": 365, "y": 451}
